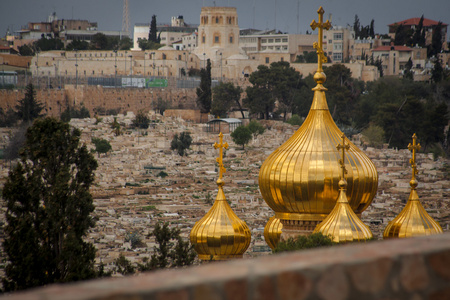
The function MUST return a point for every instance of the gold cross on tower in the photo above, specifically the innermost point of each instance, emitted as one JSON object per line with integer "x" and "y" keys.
{"x": 413, "y": 148}
{"x": 219, "y": 160}
{"x": 321, "y": 58}
{"x": 343, "y": 147}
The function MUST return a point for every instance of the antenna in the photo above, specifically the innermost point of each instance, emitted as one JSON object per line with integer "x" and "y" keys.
{"x": 254, "y": 13}
{"x": 125, "y": 20}
{"x": 298, "y": 15}
{"x": 275, "y": 16}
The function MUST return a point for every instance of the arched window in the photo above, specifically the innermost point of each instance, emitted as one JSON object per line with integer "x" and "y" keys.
{"x": 217, "y": 20}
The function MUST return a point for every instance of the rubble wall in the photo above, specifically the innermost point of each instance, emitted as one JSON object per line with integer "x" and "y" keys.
{"x": 94, "y": 97}
{"x": 415, "y": 268}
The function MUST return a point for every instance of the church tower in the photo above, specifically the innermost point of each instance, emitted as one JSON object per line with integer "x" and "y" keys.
{"x": 218, "y": 33}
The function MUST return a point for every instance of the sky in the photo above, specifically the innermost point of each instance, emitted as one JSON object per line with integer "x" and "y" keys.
{"x": 292, "y": 16}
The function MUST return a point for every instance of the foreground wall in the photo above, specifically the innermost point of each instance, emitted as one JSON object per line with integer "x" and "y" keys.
{"x": 416, "y": 268}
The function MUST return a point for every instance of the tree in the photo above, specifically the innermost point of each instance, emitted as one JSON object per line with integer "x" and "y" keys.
{"x": 77, "y": 45}
{"x": 26, "y": 50}
{"x": 437, "y": 74}
{"x": 99, "y": 41}
{"x": 402, "y": 35}
{"x": 277, "y": 84}
{"x": 48, "y": 209}
{"x": 162, "y": 105}
{"x": 124, "y": 266}
{"x": 419, "y": 34}
{"x": 167, "y": 253}
{"x": 145, "y": 44}
{"x": 181, "y": 143}
{"x": 16, "y": 142}
{"x": 372, "y": 29}
{"x": 408, "y": 73}
{"x": 152, "y": 36}
{"x": 204, "y": 90}
{"x": 46, "y": 43}
{"x": 436, "y": 40}
{"x": 141, "y": 120}
{"x": 224, "y": 96}
{"x": 295, "y": 120}
{"x": 29, "y": 108}
{"x": 255, "y": 128}
{"x": 373, "y": 136}
{"x": 8, "y": 118}
{"x": 356, "y": 26}
{"x": 241, "y": 136}
{"x": 101, "y": 145}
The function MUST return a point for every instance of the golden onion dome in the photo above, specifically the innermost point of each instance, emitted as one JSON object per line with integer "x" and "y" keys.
{"x": 342, "y": 224}
{"x": 272, "y": 232}
{"x": 220, "y": 234}
{"x": 299, "y": 180}
{"x": 413, "y": 220}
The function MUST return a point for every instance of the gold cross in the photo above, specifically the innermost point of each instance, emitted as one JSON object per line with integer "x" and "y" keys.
{"x": 343, "y": 147}
{"x": 413, "y": 148}
{"x": 321, "y": 58}
{"x": 220, "y": 158}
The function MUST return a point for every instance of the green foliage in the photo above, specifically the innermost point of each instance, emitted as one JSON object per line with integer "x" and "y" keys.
{"x": 255, "y": 128}
{"x": 29, "y": 108}
{"x": 46, "y": 43}
{"x": 279, "y": 83}
{"x": 101, "y": 145}
{"x": 135, "y": 239}
{"x": 162, "y": 174}
{"x": 295, "y": 120}
{"x": 77, "y": 45}
{"x": 48, "y": 209}
{"x": 74, "y": 113}
{"x": 26, "y": 50}
{"x": 124, "y": 266}
{"x": 170, "y": 250}
{"x": 204, "y": 90}
{"x": 152, "y": 36}
{"x": 224, "y": 96}
{"x": 149, "y": 207}
{"x": 16, "y": 142}
{"x": 403, "y": 35}
{"x": 373, "y": 136}
{"x": 181, "y": 143}
{"x": 437, "y": 74}
{"x": 141, "y": 120}
{"x": 308, "y": 57}
{"x": 162, "y": 105}
{"x": 8, "y": 118}
{"x": 100, "y": 41}
{"x": 408, "y": 73}
{"x": 241, "y": 136}
{"x": 117, "y": 128}
{"x": 314, "y": 240}
{"x": 145, "y": 44}
{"x": 209, "y": 199}
{"x": 419, "y": 35}
{"x": 436, "y": 41}
{"x": 363, "y": 31}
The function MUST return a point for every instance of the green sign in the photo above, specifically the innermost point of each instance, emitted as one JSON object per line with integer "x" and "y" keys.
{"x": 155, "y": 82}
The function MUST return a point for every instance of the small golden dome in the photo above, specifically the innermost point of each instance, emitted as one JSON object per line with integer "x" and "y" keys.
{"x": 272, "y": 232}
{"x": 299, "y": 180}
{"x": 413, "y": 220}
{"x": 342, "y": 223}
{"x": 220, "y": 234}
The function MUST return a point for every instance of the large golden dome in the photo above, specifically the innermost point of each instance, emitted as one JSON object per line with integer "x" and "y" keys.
{"x": 299, "y": 180}
{"x": 220, "y": 234}
{"x": 413, "y": 220}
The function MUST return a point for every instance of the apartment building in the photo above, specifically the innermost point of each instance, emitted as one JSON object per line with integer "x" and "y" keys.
{"x": 338, "y": 43}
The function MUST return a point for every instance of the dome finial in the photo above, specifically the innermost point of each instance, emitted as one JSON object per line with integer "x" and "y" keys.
{"x": 413, "y": 148}
{"x": 320, "y": 77}
{"x": 219, "y": 160}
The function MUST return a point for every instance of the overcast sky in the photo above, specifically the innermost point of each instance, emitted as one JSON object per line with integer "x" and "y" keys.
{"x": 260, "y": 14}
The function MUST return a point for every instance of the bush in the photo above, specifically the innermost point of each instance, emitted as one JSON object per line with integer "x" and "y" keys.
{"x": 74, "y": 113}
{"x": 255, "y": 128}
{"x": 314, "y": 240}
{"x": 181, "y": 143}
{"x": 295, "y": 120}
{"x": 373, "y": 135}
{"x": 141, "y": 120}
{"x": 162, "y": 174}
{"x": 101, "y": 146}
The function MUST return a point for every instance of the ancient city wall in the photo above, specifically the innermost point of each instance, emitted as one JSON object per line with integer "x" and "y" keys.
{"x": 96, "y": 98}
{"x": 415, "y": 268}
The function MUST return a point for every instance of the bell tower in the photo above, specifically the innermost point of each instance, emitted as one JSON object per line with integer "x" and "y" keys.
{"x": 218, "y": 33}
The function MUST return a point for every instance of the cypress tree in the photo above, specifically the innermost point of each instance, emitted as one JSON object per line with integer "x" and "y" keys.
{"x": 48, "y": 209}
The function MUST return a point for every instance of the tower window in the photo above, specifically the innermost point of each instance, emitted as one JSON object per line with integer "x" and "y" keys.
{"x": 216, "y": 39}
{"x": 231, "y": 40}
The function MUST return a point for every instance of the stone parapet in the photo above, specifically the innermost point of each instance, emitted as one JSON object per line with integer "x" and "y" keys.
{"x": 416, "y": 268}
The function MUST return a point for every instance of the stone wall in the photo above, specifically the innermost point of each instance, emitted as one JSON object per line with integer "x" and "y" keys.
{"x": 95, "y": 97}
{"x": 193, "y": 115}
{"x": 416, "y": 268}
